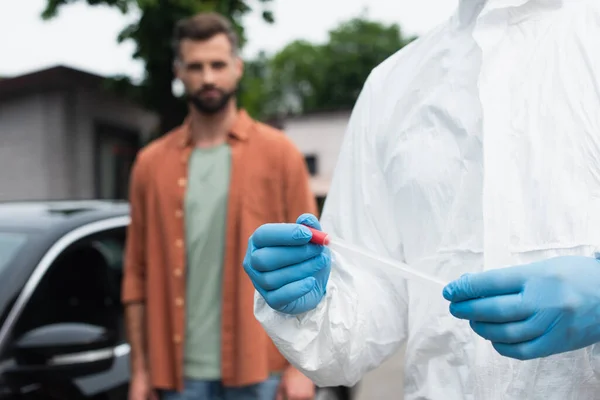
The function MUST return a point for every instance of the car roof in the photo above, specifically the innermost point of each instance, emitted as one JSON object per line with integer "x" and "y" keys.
{"x": 53, "y": 216}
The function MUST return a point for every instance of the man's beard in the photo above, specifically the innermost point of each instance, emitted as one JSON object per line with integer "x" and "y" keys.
{"x": 213, "y": 105}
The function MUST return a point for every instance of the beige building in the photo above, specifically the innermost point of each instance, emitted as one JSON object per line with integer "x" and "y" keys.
{"x": 319, "y": 137}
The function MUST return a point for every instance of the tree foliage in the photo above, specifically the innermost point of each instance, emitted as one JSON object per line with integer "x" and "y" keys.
{"x": 301, "y": 77}
{"x": 306, "y": 77}
{"x": 152, "y": 37}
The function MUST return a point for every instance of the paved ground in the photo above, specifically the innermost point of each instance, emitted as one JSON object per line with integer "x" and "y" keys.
{"x": 385, "y": 383}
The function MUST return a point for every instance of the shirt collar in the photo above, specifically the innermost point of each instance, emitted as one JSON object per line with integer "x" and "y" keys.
{"x": 239, "y": 130}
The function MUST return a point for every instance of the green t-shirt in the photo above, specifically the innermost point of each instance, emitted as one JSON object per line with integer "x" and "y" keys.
{"x": 205, "y": 221}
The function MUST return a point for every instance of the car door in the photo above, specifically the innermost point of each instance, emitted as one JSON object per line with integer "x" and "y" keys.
{"x": 82, "y": 285}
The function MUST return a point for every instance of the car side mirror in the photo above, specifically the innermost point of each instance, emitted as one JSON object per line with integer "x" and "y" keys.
{"x": 63, "y": 351}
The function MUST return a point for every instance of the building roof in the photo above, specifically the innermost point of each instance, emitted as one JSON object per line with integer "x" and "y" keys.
{"x": 50, "y": 79}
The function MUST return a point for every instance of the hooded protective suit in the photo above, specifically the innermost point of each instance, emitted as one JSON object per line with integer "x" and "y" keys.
{"x": 475, "y": 147}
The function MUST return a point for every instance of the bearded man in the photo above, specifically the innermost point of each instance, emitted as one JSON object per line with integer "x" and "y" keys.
{"x": 197, "y": 194}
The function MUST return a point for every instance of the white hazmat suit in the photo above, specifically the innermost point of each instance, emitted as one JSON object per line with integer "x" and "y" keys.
{"x": 467, "y": 150}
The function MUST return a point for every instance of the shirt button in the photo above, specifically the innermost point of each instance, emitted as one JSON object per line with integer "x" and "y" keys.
{"x": 181, "y": 182}
{"x": 178, "y": 272}
{"x": 177, "y": 339}
{"x": 179, "y": 243}
{"x": 178, "y": 213}
{"x": 179, "y": 302}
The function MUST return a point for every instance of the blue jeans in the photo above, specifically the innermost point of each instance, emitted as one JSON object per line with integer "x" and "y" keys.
{"x": 214, "y": 390}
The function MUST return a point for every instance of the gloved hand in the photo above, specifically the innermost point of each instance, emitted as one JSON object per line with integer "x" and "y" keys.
{"x": 289, "y": 272}
{"x": 533, "y": 310}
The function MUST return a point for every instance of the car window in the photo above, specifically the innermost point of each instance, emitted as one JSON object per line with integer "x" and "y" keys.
{"x": 10, "y": 244}
{"x": 82, "y": 285}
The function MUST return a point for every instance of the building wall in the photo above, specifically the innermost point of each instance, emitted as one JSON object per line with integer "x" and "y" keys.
{"x": 320, "y": 134}
{"x": 56, "y": 150}
{"x": 89, "y": 108}
{"x": 28, "y": 126}
{"x": 47, "y": 142}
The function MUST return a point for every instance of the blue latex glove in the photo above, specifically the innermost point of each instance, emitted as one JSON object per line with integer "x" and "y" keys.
{"x": 289, "y": 272}
{"x": 534, "y": 310}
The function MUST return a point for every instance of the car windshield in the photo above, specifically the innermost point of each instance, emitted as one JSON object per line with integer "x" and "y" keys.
{"x": 10, "y": 244}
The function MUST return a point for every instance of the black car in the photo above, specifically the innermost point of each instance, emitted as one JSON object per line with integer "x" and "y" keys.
{"x": 62, "y": 330}
{"x": 62, "y": 333}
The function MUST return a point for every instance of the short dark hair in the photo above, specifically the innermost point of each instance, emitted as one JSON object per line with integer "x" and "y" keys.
{"x": 204, "y": 26}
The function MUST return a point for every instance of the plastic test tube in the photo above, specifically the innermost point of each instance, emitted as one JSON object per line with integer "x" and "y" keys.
{"x": 322, "y": 238}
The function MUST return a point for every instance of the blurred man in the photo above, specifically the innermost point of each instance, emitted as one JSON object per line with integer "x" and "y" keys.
{"x": 196, "y": 195}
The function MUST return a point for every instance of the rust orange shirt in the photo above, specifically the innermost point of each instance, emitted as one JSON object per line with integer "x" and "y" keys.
{"x": 268, "y": 183}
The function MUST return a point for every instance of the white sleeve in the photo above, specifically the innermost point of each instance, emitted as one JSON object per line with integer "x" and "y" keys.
{"x": 362, "y": 318}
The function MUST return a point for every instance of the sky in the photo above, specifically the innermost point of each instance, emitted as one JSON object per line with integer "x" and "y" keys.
{"x": 84, "y": 37}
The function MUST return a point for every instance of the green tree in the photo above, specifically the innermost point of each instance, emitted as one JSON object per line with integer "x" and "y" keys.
{"x": 254, "y": 91}
{"x": 152, "y": 37}
{"x": 306, "y": 76}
